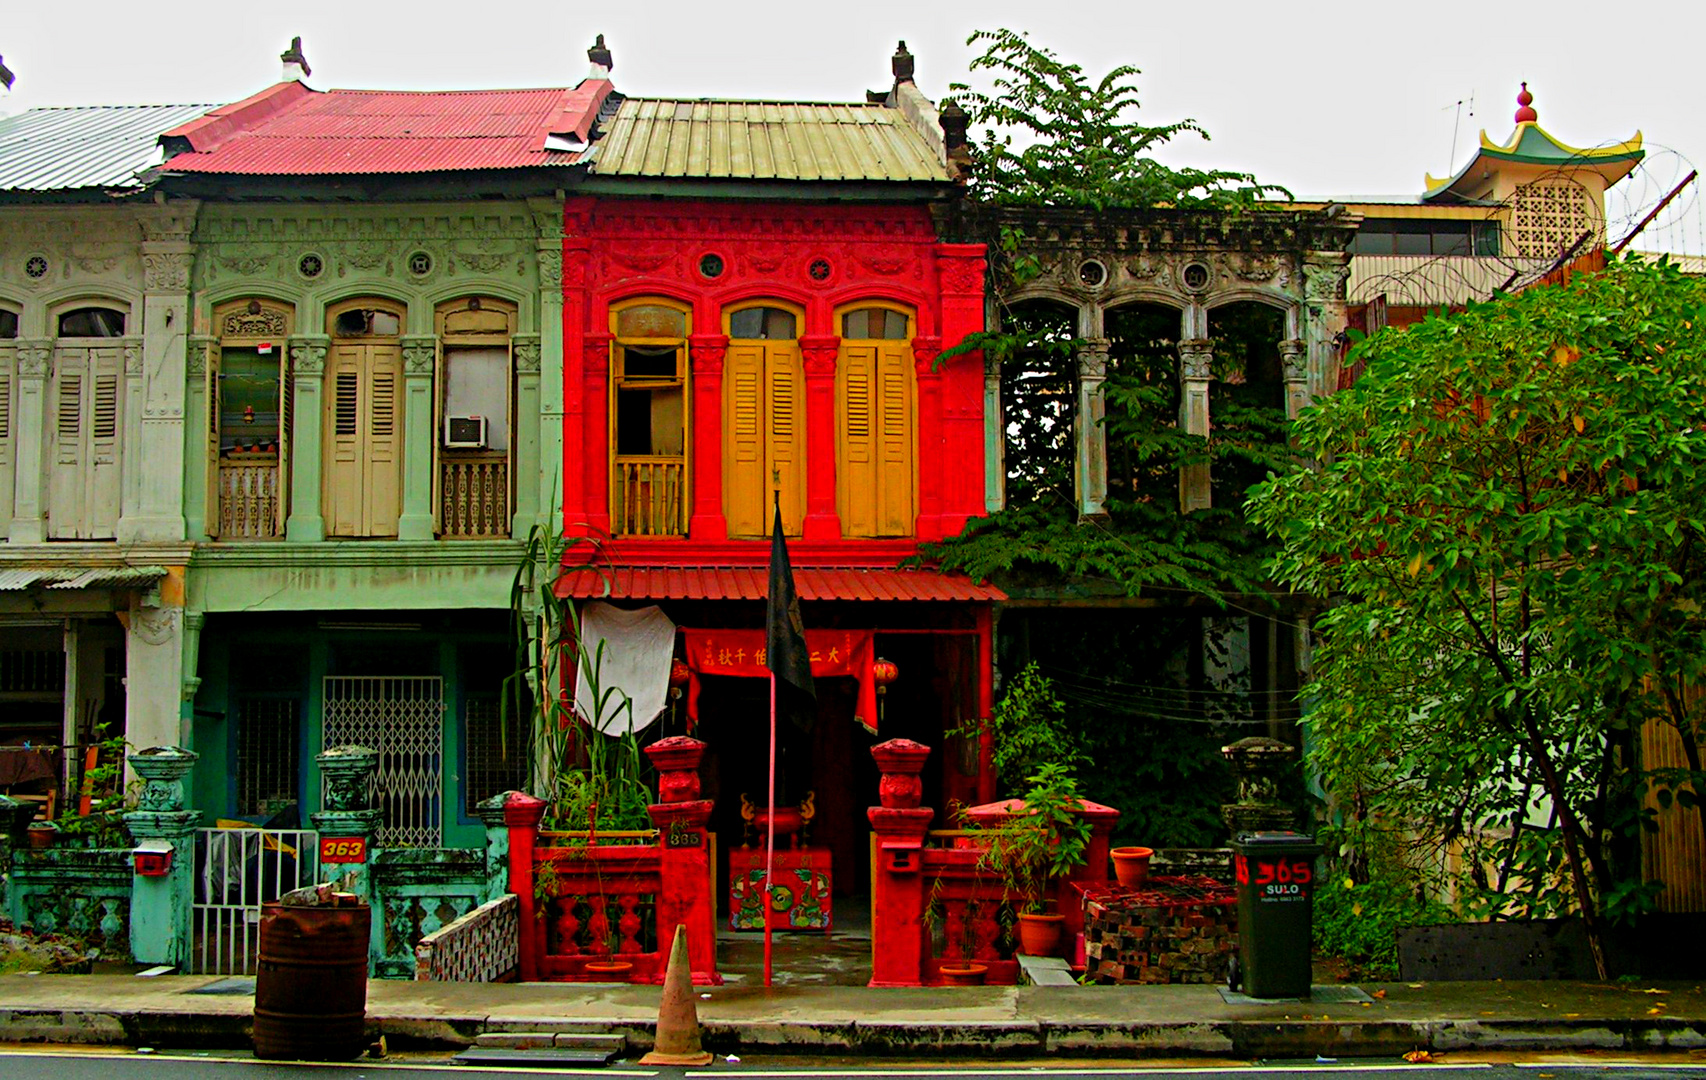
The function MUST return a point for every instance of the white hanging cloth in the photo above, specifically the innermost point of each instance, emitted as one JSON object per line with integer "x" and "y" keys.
{"x": 630, "y": 651}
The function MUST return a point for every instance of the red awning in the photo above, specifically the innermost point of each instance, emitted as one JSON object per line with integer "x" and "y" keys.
{"x": 752, "y": 582}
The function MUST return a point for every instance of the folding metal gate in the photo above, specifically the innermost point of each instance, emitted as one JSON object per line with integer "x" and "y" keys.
{"x": 236, "y": 871}
{"x": 403, "y": 719}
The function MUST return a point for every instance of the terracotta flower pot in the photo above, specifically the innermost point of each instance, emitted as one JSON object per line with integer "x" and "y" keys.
{"x": 1131, "y": 865}
{"x": 1039, "y": 935}
{"x": 609, "y": 970}
{"x": 42, "y": 835}
{"x": 963, "y": 974}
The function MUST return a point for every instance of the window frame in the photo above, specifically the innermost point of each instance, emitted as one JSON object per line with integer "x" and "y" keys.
{"x": 619, "y": 380}
{"x": 441, "y": 386}
{"x": 215, "y": 370}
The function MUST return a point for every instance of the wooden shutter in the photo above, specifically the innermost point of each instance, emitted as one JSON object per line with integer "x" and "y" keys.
{"x": 65, "y": 470}
{"x": 8, "y": 456}
{"x": 383, "y": 482}
{"x": 85, "y": 480}
{"x": 286, "y": 437}
{"x": 345, "y": 460}
{"x": 786, "y": 434}
{"x": 856, "y": 467}
{"x": 746, "y": 476}
{"x": 896, "y": 471}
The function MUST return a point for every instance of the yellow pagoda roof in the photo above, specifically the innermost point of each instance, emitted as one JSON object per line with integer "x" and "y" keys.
{"x": 1531, "y": 144}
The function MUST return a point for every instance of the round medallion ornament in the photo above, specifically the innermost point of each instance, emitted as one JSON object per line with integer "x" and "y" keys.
{"x": 1092, "y": 274}
{"x": 711, "y": 266}
{"x": 310, "y": 265}
{"x": 35, "y": 266}
{"x": 819, "y": 269}
{"x": 420, "y": 263}
{"x": 1196, "y": 276}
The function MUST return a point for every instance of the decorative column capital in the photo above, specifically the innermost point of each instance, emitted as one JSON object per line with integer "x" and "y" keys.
{"x": 707, "y": 352}
{"x": 900, "y": 761}
{"x": 527, "y": 353}
{"x": 961, "y": 271}
{"x": 34, "y": 358}
{"x": 1294, "y": 358}
{"x": 308, "y": 356}
{"x": 1093, "y": 360}
{"x": 1196, "y": 358}
{"x": 195, "y": 358}
{"x": 523, "y": 811}
{"x": 345, "y": 772}
{"x": 818, "y": 353}
{"x": 420, "y": 354}
{"x": 1325, "y": 274}
{"x": 166, "y": 271}
{"x": 595, "y": 351}
{"x": 925, "y": 349}
{"x": 490, "y": 811}
{"x": 162, "y": 769}
{"x": 677, "y": 759}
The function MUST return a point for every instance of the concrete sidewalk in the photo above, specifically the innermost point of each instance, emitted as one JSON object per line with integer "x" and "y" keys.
{"x": 1158, "y": 1021}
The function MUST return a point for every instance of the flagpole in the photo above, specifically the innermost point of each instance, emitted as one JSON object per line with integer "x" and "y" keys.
{"x": 770, "y": 832}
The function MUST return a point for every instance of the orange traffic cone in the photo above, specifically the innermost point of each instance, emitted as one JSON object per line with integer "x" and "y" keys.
{"x": 677, "y": 1040}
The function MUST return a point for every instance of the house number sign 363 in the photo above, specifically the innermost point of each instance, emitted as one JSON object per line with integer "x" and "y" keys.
{"x": 343, "y": 849}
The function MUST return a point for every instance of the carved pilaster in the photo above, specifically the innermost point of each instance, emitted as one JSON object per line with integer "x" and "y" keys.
{"x": 419, "y": 356}
{"x": 34, "y": 358}
{"x": 1090, "y": 435}
{"x": 1196, "y": 362}
{"x": 707, "y": 352}
{"x": 525, "y": 349}
{"x": 309, "y": 357}
{"x": 195, "y": 359}
{"x": 962, "y": 275}
{"x": 925, "y": 349}
{"x": 595, "y": 354}
{"x": 817, "y": 355}
{"x": 166, "y": 271}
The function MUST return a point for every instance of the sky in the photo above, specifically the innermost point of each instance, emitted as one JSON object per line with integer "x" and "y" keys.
{"x": 1325, "y": 98}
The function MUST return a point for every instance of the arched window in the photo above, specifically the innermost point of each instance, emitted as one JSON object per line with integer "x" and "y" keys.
{"x": 8, "y": 324}
{"x": 649, "y": 419}
{"x": 476, "y": 395}
{"x": 249, "y": 419}
{"x": 363, "y": 455}
{"x": 85, "y": 468}
{"x": 8, "y": 459}
{"x": 764, "y": 419}
{"x": 876, "y": 471}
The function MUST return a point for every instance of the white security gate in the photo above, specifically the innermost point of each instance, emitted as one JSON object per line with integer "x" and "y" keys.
{"x": 403, "y": 719}
{"x": 236, "y": 871}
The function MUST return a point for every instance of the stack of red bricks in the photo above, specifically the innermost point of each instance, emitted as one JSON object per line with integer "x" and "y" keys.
{"x": 1169, "y": 930}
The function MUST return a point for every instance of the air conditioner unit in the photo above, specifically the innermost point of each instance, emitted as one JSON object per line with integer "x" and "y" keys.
{"x": 465, "y": 432}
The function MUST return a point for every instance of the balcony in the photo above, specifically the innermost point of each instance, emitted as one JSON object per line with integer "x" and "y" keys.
{"x": 473, "y": 495}
{"x": 248, "y": 499}
{"x": 649, "y": 497}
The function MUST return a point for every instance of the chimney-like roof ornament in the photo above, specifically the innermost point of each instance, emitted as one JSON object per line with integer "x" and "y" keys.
{"x": 293, "y": 55}
{"x": 1525, "y": 113}
{"x": 6, "y": 75}
{"x": 600, "y": 56}
{"x": 901, "y": 62}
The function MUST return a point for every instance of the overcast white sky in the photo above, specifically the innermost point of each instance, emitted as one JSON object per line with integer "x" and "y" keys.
{"x": 1344, "y": 97}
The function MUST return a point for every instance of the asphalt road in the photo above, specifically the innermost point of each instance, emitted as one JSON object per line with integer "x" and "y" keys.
{"x": 126, "y": 1065}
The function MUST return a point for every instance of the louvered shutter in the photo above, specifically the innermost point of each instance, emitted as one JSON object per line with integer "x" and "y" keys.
{"x": 856, "y": 472}
{"x": 896, "y": 470}
{"x": 746, "y": 476}
{"x": 286, "y": 437}
{"x": 786, "y": 434}
{"x": 65, "y": 469}
{"x": 106, "y": 434}
{"x": 8, "y": 455}
{"x": 384, "y": 432}
{"x": 345, "y": 464}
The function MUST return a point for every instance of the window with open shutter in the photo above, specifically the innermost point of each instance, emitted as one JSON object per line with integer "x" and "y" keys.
{"x": 248, "y": 428}
{"x": 876, "y": 474}
{"x": 764, "y": 424}
{"x": 362, "y": 473}
{"x": 475, "y": 391}
{"x": 649, "y": 420}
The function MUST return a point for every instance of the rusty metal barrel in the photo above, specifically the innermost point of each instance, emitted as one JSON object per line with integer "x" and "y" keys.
{"x": 311, "y": 983}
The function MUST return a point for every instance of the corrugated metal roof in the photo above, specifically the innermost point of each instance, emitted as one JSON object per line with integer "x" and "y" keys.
{"x": 342, "y": 132}
{"x": 753, "y": 583}
{"x": 79, "y": 577}
{"x": 764, "y": 140}
{"x": 98, "y": 146}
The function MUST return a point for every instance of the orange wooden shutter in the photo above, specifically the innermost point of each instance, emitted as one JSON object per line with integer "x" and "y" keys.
{"x": 896, "y": 471}
{"x": 785, "y": 435}
{"x": 746, "y": 475}
{"x": 856, "y": 475}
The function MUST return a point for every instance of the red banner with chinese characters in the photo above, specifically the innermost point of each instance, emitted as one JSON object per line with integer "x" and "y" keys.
{"x": 741, "y": 652}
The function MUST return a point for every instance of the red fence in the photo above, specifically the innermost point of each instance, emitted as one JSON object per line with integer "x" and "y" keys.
{"x": 584, "y": 902}
{"x": 932, "y": 903}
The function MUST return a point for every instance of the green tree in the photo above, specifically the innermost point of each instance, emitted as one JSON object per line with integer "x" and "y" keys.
{"x": 1506, "y": 511}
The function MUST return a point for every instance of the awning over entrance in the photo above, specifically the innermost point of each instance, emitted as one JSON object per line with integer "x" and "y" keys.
{"x": 79, "y": 577}
{"x": 751, "y": 583}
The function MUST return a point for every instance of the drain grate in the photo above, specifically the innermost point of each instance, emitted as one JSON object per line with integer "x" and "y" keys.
{"x": 232, "y": 987}
{"x": 1318, "y": 995}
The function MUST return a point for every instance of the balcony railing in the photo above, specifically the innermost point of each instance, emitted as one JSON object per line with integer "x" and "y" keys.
{"x": 650, "y": 497}
{"x": 473, "y": 495}
{"x": 248, "y": 500}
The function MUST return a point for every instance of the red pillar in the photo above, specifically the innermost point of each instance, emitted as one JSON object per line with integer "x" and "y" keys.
{"x": 985, "y": 703}
{"x": 933, "y": 458}
{"x": 708, "y": 522}
{"x": 960, "y": 272}
{"x": 595, "y": 439}
{"x": 818, "y": 353}
{"x": 521, "y": 817}
{"x": 897, "y": 882}
{"x": 684, "y": 894}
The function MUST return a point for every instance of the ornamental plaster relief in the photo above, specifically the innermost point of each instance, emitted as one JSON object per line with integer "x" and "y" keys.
{"x": 526, "y": 351}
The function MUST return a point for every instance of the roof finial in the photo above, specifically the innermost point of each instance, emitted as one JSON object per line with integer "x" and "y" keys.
{"x": 600, "y": 57}
{"x": 5, "y": 76}
{"x": 901, "y": 63}
{"x": 295, "y": 63}
{"x": 1525, "y": 114}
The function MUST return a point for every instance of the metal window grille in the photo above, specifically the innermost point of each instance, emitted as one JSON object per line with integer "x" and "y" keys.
{"x": 497, "y": 753}
{"x": 236, "y": 871}
{"x": 268, "y": 735}
{"x": 32, "y": 670}
{"x": 403, "y": 719}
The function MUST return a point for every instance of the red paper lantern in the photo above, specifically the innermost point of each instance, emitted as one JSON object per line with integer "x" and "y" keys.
{"x": 679, "y": 673}
{"x": 884, "y": 672}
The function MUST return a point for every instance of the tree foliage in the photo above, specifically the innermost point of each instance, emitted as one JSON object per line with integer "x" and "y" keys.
{"x": 1053, "y": 137}
{"x": 1507, "y": 510}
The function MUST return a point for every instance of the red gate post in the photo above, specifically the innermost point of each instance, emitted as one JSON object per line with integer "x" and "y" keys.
{"x": 897, "y": 879}
{"x": 684, "y": 854}
{"x": 522, "y": 814}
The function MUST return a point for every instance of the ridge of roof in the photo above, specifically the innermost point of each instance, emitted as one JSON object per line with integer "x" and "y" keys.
{"x": 228, "y": 120}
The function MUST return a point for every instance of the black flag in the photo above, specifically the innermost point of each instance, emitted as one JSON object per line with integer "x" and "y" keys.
{"x": 785, "y": 649}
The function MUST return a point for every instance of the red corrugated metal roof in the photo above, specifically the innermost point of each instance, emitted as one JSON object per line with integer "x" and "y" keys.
{"x": 291, "y": 131}
{"x": 752, "y": 583}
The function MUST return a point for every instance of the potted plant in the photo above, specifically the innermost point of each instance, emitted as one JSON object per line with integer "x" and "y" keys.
{"x": 963, "y": 973}
{"x": 42, "y": 835}
{"x": 1030, "y": 848}
{"x": 1131, "y": 865}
